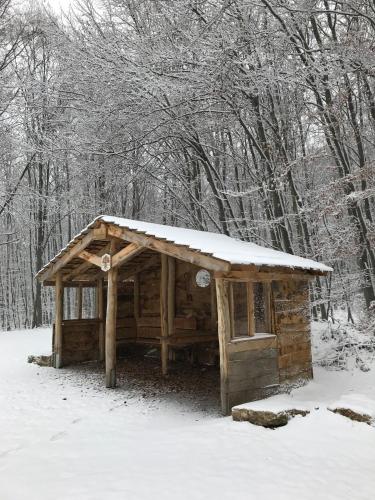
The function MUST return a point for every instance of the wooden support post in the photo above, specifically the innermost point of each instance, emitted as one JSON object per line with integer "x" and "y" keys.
{"x": 110, "y": 329}
{"x": 250, "y": 309}
{"x": 233, "y": 332}
{"x": 213, "y": 306}
{"x": 171, "y": 294}
{"x": 79, "y": 302}
{"x": 224, "y": 329}
{"x": 59, "y": 308}
{"x": 100, "y": 316}
{"x": 164, "y": 313}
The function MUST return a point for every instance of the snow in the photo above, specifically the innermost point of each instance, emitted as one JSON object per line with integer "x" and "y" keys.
{"x": 64, "y": 436}
{"x": 218, "y": 245}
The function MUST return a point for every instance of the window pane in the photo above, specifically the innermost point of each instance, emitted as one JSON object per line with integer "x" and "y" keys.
{"x": 239, "y": 308}
{"x": 260, "y": 308}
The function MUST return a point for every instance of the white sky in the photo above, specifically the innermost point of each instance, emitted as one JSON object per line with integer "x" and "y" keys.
{"x": 59, "y": 4}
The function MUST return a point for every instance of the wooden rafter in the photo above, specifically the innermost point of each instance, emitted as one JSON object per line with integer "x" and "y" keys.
{"x": 82, "y": 268}
{"x": 90, "y": 257}
{"x": 126, "y": 254}
{"x": 72, "y": 252}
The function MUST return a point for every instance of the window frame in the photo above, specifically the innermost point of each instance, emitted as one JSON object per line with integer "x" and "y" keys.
{"x": 251, "y": 333}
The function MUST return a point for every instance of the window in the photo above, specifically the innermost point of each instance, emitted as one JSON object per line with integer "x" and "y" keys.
{"x": 239, "y": 309}
{"x": 250, "y": 308}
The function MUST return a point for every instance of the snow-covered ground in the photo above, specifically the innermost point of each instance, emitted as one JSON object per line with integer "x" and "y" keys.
{"x": 63, "y": 437}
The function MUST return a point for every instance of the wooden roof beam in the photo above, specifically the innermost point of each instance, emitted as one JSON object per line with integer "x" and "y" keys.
{"x": 91, "y": 258}
{"x": 180, "y": 252}
{"x": 82, "y": 268}
{"x": 127, "y": 254}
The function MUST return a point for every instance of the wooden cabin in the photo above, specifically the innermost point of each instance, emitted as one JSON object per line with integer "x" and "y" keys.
{"x": 172, "y": 287}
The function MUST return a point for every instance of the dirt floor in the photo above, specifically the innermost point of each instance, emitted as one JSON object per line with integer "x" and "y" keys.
{"x": 141, "y": 375}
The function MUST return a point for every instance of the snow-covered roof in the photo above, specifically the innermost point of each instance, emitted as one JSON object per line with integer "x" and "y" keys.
{"x": 219, "y": 246}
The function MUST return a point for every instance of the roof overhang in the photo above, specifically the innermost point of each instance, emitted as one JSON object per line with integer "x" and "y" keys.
{"x": 80, "y": 261}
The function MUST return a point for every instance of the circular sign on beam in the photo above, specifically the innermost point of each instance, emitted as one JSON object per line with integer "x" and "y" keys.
{"x": 106, "y": 262}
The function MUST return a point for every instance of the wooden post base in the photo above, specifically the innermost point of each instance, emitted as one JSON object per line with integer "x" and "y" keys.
{"x": 56, "y": 360}
{"x": 110, "y": 378}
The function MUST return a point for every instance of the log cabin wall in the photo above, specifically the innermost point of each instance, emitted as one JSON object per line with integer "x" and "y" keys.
{"x": 292, "y": 327}
{"x": 80, "y": 341}
{"x": 253, "y": 371}
{"x": 126, "y": 327}
{"x": 193, "y": 303}
{"x": 149, "y": 323}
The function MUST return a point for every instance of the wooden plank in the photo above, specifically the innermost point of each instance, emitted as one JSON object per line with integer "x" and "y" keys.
{"x": 110, "y": 329}
{"x": 252, "y": 343}
{"x": 149, "y": 321}
{"x": 164, "y": 312}
{"x": 90, "y": 257}
{"x": 127, "y": 254}
{"x": 59, "y": 311}
{"x": 146, "y": 331}
{"x": 250, "y": 309}
{"x": 213, "y": 306}
{"x": 261, "y": 276}
{"x": 224, "y": 331}
{"x": 73, "y": 284}
{"x": 190, "y": 339}
{"x": 231, "y": 310}
{"x": 171, "y": 294}
{"x": 251, "y": 358}
{"x": 185, "y": 323}
{"x": 179, "y": 252}
{"x": 287, "y": 271}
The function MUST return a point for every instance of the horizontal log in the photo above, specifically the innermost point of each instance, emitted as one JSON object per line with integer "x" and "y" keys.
{"x": 181, "y": 323}
{"x": 146, "y": 331}
{"x": 244, "y": 396}
{"x": 251, "y": 384}
{"x": 149, "y": 321}
{"x": 127, "y": 254}
{"x": 295, "y": 348}
{"x": 295, "y": 359}
{"x": 252, "y": 344}
{"x": 259, "y": 276}
{"x": 240, "y": 370}
{"x": 253, "y": 356}
{"x": 90, "y": 257}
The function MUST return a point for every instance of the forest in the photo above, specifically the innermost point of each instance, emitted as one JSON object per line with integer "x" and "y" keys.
{"x": 251, "y": 118}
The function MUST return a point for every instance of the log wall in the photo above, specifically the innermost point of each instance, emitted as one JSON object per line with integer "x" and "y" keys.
{"x": 292, "y": 327}
{"x": 80, "y": 341}
{"x": 192, "y": 301}
{"x": 252, "y": 374}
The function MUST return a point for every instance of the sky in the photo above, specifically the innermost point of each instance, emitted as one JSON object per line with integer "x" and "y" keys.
{"x": 59, "y": 4}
